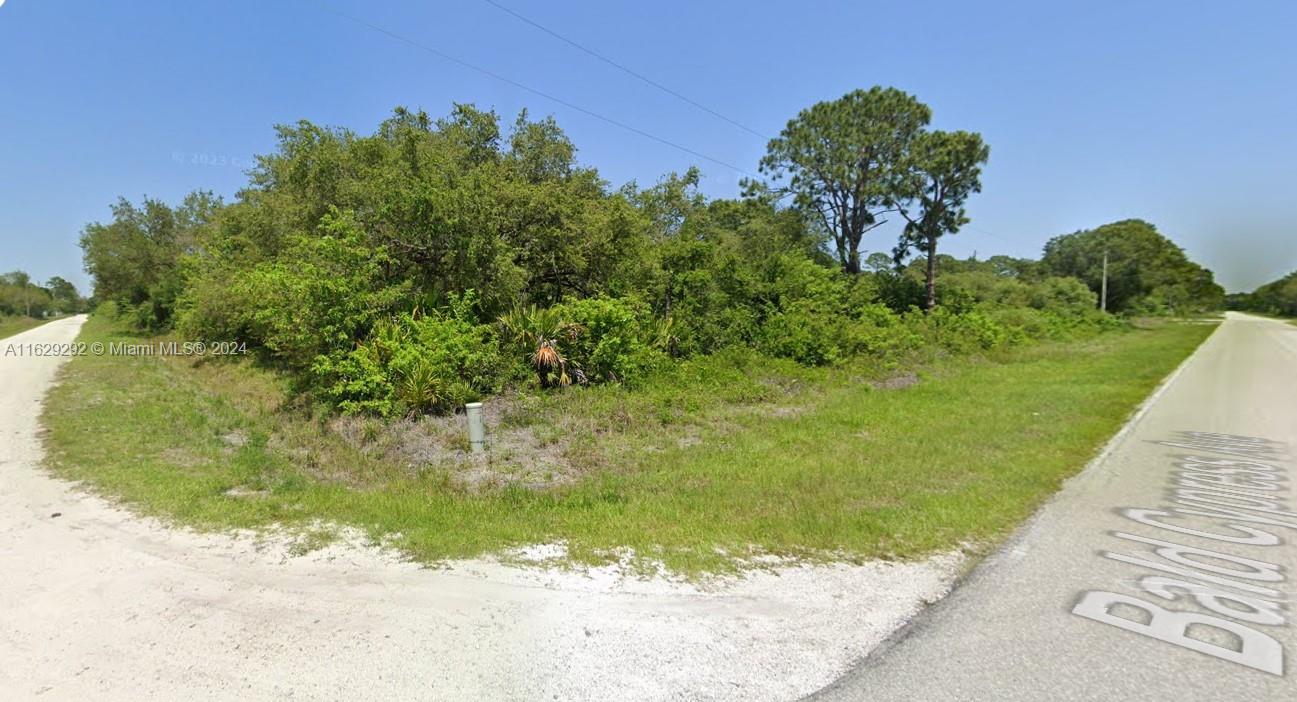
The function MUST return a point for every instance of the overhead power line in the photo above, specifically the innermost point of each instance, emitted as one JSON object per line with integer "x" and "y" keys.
{"x": 992, "y": 234}
{"x": 504, "y": 79}
{"x": 625, "y": 69}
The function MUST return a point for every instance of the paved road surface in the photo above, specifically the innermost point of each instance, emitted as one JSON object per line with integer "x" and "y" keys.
{"x": 1166, "y": 571}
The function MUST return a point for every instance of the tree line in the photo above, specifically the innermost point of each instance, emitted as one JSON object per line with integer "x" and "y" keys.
{"x": 1278, "y": 297}
{"x": 19, "y": 295}
{"x": 437, "y": 260}
{"x": 1147, "y": 273}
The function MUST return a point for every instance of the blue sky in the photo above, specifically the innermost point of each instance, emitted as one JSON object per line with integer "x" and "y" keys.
{"x": 1184, "y": 114}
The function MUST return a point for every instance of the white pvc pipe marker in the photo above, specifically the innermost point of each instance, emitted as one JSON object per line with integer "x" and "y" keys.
{"x": 476, "y": 430}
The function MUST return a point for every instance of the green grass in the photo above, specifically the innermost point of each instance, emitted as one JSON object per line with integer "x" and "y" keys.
{"x": 10, "y": 325}
{"x": 724, "y": 459}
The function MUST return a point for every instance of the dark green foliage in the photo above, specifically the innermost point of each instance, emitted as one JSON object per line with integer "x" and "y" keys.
{"x": 434, "y": 261}
{"x": 611, "y": 339}
{"x": 897, "y": 290}
{"x": 20, "y": 296}
{"x": 1147, "y": 273}
{"x": 323, "y": 294}
{"x": 136, "y": 259}
{"x": 414, "y": 363}
{"x": 842, "y": 161}
{"x": 1276, "y": 297}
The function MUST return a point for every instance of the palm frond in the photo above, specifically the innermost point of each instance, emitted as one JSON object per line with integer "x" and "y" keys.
{"x": 418, "y": 388}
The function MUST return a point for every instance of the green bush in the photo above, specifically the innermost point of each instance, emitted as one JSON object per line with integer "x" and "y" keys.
{"x": 968, "y": 288}
{"x": 216, "y": 306}
{"x": 463, "y": 355}
{"x": 803, "y": 332}
{"x": 899, "y": 291}
{"x": 808, "y": 311}
{"x": 959, "y": 333}
{"x": 1025, "y": 323}
{"x": 356, "y": 382}
{"x": 415, "y": 364}
{"x": 880, "y": 333}
{"x": 326, "y": 293}
{"x": 610, "y": 339}
{"x": 1063, "y": 296}
{"x": 108, "y": 310}
{"x": 964, "y": 290}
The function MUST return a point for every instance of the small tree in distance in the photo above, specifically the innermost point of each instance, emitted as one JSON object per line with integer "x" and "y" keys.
{"x": 23, "y": 282}
{"x": 64, "y": 295}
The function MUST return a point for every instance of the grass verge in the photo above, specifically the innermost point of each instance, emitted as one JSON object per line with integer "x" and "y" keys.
{"x": 10, "y": 325}
{"x": 724, "y": 459}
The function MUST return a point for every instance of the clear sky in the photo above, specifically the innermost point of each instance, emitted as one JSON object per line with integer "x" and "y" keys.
{"x": 1182, "y": 113}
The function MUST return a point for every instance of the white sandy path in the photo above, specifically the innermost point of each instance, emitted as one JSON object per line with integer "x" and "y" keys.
{"x": 100, "y": 604}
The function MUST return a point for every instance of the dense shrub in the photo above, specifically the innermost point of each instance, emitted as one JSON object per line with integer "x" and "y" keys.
{"x": 415, "y": 363}
{"x": 959, "y": 333}
{"x": 355, "y": 381}
{"x": 966, "y": 289}
{"x": 323, "y": 295}
{"x": 808, "y": 310}
{"x": 803, "y": 332}
{"x": 1027, "y": 323}
{"x": 900, "y": 292}
{"x": 434, "y": 261}
{"x": 1063, "y": 296}
{"x": 880, "y": 333}
{"x": 611, "y": 339}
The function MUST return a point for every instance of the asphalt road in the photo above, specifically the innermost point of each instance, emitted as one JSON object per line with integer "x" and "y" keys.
{"x": 1165, "y": 571}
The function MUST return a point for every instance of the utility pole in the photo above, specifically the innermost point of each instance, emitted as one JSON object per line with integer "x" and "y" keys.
{"x": 1103, "y": 295}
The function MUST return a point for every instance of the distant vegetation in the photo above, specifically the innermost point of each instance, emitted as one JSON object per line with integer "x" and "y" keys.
{"x": 1147, "y": 273}
{"x": 437, "y": 261}
{"x": 20, "y": 296}
{"x": 1277, "y": 297}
